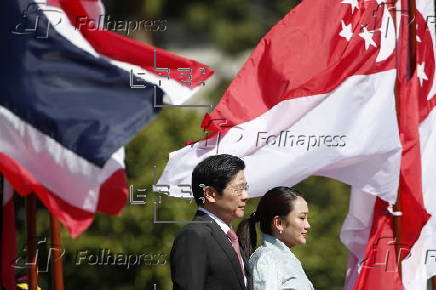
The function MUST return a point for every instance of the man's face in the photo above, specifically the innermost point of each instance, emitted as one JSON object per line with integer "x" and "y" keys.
{"x": 231, "y": 203}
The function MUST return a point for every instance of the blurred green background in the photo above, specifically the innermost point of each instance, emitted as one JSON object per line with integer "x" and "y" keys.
{"x": 219, "y": 33}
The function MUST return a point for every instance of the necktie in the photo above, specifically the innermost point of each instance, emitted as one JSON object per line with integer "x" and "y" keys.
{"x": 235, "y": 244}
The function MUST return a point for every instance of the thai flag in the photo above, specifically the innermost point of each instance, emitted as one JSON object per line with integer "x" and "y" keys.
{"x": 323, "y": 93}
{"x": 71, "y": 98}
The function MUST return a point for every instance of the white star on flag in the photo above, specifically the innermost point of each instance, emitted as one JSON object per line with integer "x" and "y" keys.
{"x": 346, "y": 31}
{"x": 353, "y": 3}
{"x": 367, "y": 36}
{"x": 420, "y": 73}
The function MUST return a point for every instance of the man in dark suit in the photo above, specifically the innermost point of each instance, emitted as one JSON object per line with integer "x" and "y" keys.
{"x": 206, "y": 254}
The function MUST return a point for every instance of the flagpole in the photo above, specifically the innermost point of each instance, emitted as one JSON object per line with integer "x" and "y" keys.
{"x": 57, "y": 273}
{"x": 397, "y": 207}
{"x": 32, "y": 270}
{"x": 410, "y": 68}
{"x": 1, "y": 227}
{"x": 412, "y": 36}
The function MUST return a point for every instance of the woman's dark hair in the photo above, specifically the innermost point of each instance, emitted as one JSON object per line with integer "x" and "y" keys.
{"x": 216, "y": 171}
{"x": 278, "y": 201}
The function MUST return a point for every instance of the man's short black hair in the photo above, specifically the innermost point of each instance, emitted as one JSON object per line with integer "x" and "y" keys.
{"x": 216, "y": 171}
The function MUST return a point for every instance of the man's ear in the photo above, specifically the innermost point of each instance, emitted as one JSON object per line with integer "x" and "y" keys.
{"x": 209, "y": 194}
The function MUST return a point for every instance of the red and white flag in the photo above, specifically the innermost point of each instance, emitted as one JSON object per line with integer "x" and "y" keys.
{"x": 421, "y": 263}
{"x": 374, "y": 263}
{"x": 317, "y": 97}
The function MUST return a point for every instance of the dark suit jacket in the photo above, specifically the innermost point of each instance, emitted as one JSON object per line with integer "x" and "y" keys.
{"x": 202, "y": 258}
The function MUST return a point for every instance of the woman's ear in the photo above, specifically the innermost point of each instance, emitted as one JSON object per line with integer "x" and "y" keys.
{"x": 209, "y": 194}
{"x": 278, "y": 224}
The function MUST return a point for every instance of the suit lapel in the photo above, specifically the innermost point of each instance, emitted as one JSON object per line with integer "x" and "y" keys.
{"x": 225, "y": 245}
{"x": 247, "y": 273}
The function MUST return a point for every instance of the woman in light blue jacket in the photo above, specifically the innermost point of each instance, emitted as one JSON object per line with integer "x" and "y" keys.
{"x": 283, "y": 217}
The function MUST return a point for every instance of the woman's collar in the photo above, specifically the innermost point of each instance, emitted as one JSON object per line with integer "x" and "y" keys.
{"x": 274, "y": 242}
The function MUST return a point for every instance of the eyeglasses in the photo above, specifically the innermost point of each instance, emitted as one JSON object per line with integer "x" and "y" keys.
{"x": 239, "y": 189}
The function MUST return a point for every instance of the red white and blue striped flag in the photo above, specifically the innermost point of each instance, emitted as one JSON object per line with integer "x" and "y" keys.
{"x": 67, "y": 107}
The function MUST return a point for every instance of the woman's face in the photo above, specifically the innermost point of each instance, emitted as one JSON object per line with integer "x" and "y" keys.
{"x": 295, "y": 225}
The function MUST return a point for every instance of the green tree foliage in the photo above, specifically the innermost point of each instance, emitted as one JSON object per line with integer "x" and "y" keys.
{"x": 233, "y": 26}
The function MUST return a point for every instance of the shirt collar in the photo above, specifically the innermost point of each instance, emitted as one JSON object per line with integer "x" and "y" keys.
{"x": 273, "y": 242}
{"x": 225, "y": 227}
